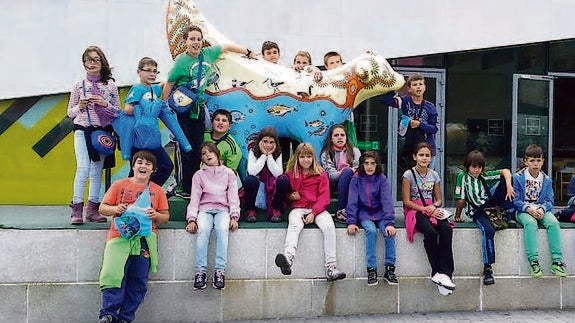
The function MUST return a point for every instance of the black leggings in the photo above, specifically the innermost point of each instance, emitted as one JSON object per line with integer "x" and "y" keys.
{"x": 437, "y": 243}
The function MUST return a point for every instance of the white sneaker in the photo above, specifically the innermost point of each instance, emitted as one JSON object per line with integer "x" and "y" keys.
{"x": 444, "y": 291}
{"x": 443, "y": 280}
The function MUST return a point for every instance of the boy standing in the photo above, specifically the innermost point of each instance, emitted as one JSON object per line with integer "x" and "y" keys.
{"x": 128, "y": 262}
{"x": 534, "y": 202}
{"x": 230, "y": 151}
{"x": 473, "y": 188}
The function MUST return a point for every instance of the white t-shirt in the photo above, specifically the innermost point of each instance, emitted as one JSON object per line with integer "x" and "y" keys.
{"x": 533, "y": 187}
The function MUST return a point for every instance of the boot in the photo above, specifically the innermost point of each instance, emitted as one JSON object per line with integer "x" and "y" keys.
{"x": 92, "y": 214}
{"x": 76, "y": 216}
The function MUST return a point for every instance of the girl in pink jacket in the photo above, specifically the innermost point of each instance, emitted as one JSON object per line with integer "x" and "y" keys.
{"x": 214, "y": 203}
{"x": 310, "y": 198}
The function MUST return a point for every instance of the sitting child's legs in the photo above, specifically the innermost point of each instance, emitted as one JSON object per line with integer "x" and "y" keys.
{"x": 251, "y": 185}
{"x": 529, "y": 235}
{"x": 370, "y": 243}
{"x": 221, "y": 230}
{"x": 325, "y": 224}
{"x": 205, "y": 224}
{"x": 282, "y": 189}
{"x": 551, "y": 223}
{"x": 343, "y": 188}
{"x": 487, "y": 238}
{"x": 295, "y": 226}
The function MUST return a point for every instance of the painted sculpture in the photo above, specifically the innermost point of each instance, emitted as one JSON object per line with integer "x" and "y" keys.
{"x": 259, "y": 93}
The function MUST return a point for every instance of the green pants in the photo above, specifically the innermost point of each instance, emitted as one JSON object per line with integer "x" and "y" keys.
{"x": 530, "y": 226}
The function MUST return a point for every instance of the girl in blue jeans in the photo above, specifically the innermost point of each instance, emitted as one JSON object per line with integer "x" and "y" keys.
{"x": 371, "y": 205}
{"x": 339, "y": 159}
{"x": 214, "y": 203}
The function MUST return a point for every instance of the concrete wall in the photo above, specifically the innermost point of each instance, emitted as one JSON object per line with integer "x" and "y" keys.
{"x": 51, "y": 276}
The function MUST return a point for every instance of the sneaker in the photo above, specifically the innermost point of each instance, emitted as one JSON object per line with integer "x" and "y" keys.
{"x": 179, "y": 192}
{"x": 332, "y": 273}
{"x": 200, "y": 280}
{"x": 219, "y": 280}
{"x": 443, "y": 280}
{"x": 251, "y": 216}
{"x": 444, "y": 291}
{"x": 389, "y": 275}
{"x": 340, "y": 216}
{"x": 276, "y": 216}
{"x": 372, "y": 276}
{"x": 512, "y": 224}
{"x": 488, "y": 276}
{"x": 283, "y": 263}
{"x": 535, "y": 269}
{"x": 558, "y": 269}
{"x": 106, "y": 319}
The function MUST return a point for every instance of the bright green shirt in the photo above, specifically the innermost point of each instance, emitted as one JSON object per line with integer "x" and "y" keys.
{"x": 229, "y": 150}
{"x": 471, "y": 189}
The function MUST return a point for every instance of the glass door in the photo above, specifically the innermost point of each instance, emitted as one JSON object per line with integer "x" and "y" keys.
{"x": 532, "y": 117}
{"x": 435, "y": 93}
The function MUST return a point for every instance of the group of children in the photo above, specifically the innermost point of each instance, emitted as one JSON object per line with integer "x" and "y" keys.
{"x": 363, "y": 191}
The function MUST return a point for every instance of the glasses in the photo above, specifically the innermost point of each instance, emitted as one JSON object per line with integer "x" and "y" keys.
{"x": 91, "y": 60}
{"x": 151, "y": 71}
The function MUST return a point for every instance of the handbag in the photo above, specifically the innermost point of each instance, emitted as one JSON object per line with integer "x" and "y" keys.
{"x": 495, "y": 214}
{"x": 101, "y": 140}
{"x": 185, "y": 98}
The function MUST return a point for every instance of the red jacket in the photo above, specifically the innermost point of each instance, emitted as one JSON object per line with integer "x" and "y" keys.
{"x": 313, "y": 189}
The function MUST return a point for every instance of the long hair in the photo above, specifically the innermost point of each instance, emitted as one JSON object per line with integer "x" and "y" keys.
{"x": 366, "y": 155}
{"x": 303, "y": 149}
{"x": 213, "y": 148}
{"x": 106, "y": 70}
{"x": 267, "y": 132}
{"x": 328, "y": 144}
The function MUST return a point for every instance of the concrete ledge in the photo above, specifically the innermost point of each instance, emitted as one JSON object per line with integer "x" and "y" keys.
{"x": 50, "y": 270}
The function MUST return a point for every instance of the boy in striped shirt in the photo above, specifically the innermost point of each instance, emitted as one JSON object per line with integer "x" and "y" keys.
{"x": 478, "y": 189}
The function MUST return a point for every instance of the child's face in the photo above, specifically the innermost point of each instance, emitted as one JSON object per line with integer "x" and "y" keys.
{"x": 148, "y": 74}
{"x": 93, "y": 63}
{"x": 143, "y": 169}
{"x": 305, "y": 160}
{"x": 369, "y": 166}
{"x": 268, "y": 143}
{"x": 333, "y": 62}
{"x": 417, "y": 88}
{"x": 475, "y": 170}
{"x": 209, "y": 157}
{"x": 534, "y": 164}
{"x": 194, "y": 43}
{"x": 272, "y": 55}
{"x": 221, "y": 124}
{"x": 300, "y": 62}
{"x": 338, "y": 137}
{"x": 422, "y": 157}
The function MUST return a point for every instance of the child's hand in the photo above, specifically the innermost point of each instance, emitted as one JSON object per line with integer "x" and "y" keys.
{"x": 121, "y": 208}
{"x": 234, "y": 224}
{"x": 150, "y": 212}
{"x": 99, "y": 100}
{"x": 352, "y": 229}
{"x": 390, "y": 230}
{"x": 294, "y": 196}
{"x": 192, "y": 227}
{"x": 308, "y": 219}
{"x": 510, "y": 193}
{"x": 458, "y": 218}
{"x": 414, "y": 123}
{"x": 428, "y": 210}
{"x": 317, "y": 76}
{"x": 83, "y": 103}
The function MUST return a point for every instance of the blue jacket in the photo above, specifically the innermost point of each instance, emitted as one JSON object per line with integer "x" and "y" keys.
{"x": 370, "y": 199}
{"x": 142, "y": 129}
{"x": 546, "y": 197}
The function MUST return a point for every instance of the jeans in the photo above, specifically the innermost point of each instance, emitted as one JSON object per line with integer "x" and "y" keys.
{"x": 86, "y": 168}
{"x": 164, "y": 165}
{"x": 343, "y": 187}
{"x": 325, "y": 224}
{"x": 530, "y": 225}
{"x": 437, "y": 242}
{"x": 189, "y": 162}
{"x": 220, "y": 221}
{"x": 123, "y": 302}
{"x": 370, "y": 228}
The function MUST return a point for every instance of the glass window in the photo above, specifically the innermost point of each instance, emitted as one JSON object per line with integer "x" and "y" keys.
{"x": 436, "y": 60}
{"x": 561, "y": 57}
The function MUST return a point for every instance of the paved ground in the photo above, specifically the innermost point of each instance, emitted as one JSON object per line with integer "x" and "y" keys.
{"x": 496, "y": 316}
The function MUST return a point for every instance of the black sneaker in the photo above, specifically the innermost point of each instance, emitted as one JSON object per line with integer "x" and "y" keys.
{"x": 283, "y": 263}
{"x": 106, "y": 319}
{"x": 488, "y": 276}
{"x": 372, "y": 276}
{"x": 200, "y": 280}
{"x": 389, "y": 275}
{"x": 219, "y": 280}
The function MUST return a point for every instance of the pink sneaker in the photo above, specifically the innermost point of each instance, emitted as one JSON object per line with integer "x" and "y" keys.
{"x": 251, "y": 216}
{"x": 276, "y": 216}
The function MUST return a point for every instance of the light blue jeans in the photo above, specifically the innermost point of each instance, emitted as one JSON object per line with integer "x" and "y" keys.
{"x": 220, "y": 221}
{"x": 370, "y": 243}
{"x": 84, "y": 168}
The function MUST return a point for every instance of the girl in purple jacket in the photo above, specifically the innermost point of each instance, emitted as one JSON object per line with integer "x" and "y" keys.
{"x": 371, "y": 205}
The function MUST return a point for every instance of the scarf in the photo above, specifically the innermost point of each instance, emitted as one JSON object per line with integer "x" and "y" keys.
{"x": 102, "y": 115}
{"x": 341, "y": 162}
